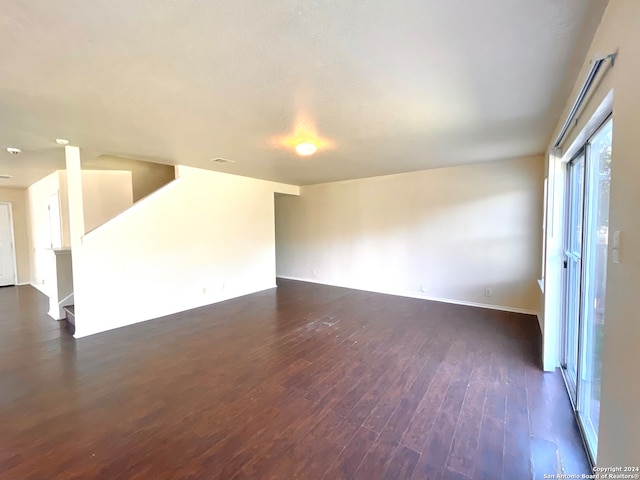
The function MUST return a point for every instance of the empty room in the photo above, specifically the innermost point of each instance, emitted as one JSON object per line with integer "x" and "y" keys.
{"x": 320, "y": 240}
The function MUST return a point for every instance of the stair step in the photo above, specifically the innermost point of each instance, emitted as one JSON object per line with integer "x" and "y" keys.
{"x": 71, "y": 317}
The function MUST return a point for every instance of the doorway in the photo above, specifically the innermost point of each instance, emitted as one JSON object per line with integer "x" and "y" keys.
{"x": 7, "y": 247}
{"x": 585, "y": 268}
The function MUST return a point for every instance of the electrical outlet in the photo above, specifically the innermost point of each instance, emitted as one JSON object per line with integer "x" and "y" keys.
{"x": 487, "y": 292}
{"x": 423, "y": 288}
{"x": 204, "y": 290}
{"x": 315, "y": 272}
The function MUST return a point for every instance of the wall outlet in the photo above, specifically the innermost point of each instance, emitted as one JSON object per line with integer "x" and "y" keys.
{"x": 314, "y": 272}
{"x": 204, "y": 290}
{"x": 423, "y": 288}
{"x": 487, "y": 292}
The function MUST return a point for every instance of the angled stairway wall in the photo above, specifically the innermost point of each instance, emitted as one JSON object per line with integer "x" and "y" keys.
{"x": 105, "y": 193}
{"x": 146, "y": 177}
{"x": 203, "y": 238}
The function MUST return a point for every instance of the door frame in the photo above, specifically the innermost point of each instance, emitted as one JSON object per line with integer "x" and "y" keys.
{"x": 13, "y": 242}
{"x": 571, "y": 386}
{"x": 595, "y": 124}
{"x": 58, "y": 240}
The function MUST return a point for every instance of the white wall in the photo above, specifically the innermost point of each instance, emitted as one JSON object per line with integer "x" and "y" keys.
{"x": 619, "y": 442}
{"x": 41, "y": 258}
{"x": 18, "y": 200}
{"x": 446, "y": 234}
{"x": 146, "y": 177}
{"x": 106, "y": 194}
{"x": 205, "y": 237}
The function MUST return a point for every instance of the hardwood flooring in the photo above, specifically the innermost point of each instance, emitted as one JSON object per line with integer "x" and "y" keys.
{"x": 304, "y": 381}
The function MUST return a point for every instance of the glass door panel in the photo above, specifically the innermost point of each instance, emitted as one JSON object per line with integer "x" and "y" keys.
{"x": 585, "y": 275}
{"x": 596, "y": 221}
{"x": 573, "y": 265}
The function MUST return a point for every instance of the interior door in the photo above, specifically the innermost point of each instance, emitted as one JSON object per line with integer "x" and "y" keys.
{"x": 7, "y": 252}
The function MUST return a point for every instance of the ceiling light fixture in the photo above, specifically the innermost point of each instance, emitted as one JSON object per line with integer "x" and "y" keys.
{"x": 306, "y": 149}
{"x": 62, "y": 141}
{"x": 222, "y": 160}
{"x": 13, "y": 150}
{"x": 304, "y": 138}
{"x": 5, "y": 177}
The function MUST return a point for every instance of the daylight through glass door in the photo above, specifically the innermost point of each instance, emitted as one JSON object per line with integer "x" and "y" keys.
{"x": 585, "y": 257}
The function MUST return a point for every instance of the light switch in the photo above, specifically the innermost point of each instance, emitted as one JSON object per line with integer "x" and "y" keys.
{"x": 615, "y": 247}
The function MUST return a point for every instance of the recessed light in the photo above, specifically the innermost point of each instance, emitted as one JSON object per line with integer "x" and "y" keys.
{"x": 5, "y": 177}
{"x": 222, "y": 160}
{"x": 13, "y": 150}
{"x": 306, "y": 149}
{"x": 62, "y": 141}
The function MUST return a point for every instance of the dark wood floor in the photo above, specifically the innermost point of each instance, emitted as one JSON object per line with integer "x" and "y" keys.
{"x": 305, "y": 381}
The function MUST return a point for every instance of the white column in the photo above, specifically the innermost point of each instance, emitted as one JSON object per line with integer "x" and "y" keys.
{"x": 553, "y": 288}
{"x": 76, "y": 229}
{"x": 74, "y": 188}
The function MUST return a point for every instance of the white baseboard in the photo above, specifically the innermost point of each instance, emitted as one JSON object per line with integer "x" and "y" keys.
{"x": 540, "y": 323}
{"x": 230, "y": 295}
{"x": 418, "y": 296}
{"x": 55, "y": 314}
{"x": 39, "y": 288}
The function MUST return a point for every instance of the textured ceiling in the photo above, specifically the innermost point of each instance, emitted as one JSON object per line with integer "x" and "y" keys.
{"x": 392, "y": 86}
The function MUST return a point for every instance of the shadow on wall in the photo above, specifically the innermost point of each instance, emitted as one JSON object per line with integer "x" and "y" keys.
{"x": 146, "y": 177}
{"x": 447, "y": 233}
{"x": 111, "y": 185}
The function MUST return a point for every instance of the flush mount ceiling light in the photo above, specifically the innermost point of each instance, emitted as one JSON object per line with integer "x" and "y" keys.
{"x": 306, "y": 149}
{"x": 5, "y": 177}
{"x": 13, "y": 150}
{"x": 304, "y": 139}
{"x": 222, "y": 160}
{"x": 62, "y": 141}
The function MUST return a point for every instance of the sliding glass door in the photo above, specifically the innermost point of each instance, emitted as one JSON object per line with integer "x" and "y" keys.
{"x": 585, "y": 257}
{"x": 573, "y": 269}
{"x": 594, "y": 280}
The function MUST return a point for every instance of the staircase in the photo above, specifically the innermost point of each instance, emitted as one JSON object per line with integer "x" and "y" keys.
{"x": 70, "y": 318}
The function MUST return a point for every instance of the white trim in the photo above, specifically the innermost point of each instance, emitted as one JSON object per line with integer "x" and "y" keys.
{"x": 594, "y": 76}
{"x": 501, "y": 308}
{"x": 40, "y": 288}
{"x": 54, "y": 312}
{"x": 553, "y": 293}
{"x": 65, "y": 302}
{"x": 540, "y": 325}
{"x": 81, "y": 333}
{"x": 60, "y": 251}
{"x": 593, "y": 124}
{"x": 13, "y": 242}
